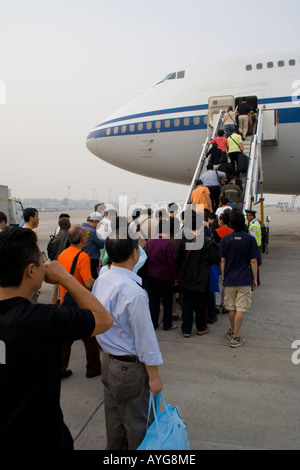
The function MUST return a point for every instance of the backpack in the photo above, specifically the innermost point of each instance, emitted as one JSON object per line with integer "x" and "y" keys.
{"x": 242, "y": 163}
{"x": 50, "y": 248}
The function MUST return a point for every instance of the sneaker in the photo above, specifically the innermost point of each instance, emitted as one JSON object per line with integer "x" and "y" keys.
{"x": 236, "y": 342}
{"x": 186, "y": 335}
{"x": 172, "y": 327}
{"x": 229, "y": 334}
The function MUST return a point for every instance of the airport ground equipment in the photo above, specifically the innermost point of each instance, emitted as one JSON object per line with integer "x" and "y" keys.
{"x": 11, "y": 207}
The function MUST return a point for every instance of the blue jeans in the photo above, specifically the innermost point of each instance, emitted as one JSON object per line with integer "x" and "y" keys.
{"x": 228, "y": 128}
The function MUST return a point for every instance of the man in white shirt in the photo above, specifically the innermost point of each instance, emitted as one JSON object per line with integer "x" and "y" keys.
{"x": 131, "y": 352}
{"x": 224, "y": 206}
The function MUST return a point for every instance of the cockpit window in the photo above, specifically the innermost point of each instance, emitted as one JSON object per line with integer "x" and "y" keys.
{"x": 181, "y": 74}
{"x": 173, "y": 76}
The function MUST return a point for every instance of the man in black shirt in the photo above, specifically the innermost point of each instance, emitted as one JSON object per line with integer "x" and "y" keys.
{"x": 30, "y": 413}
{"x": 244, "y": 112}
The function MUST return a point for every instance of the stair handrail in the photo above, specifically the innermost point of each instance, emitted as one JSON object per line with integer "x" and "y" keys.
{"x": 254, "y": 173}
{"x": 200, "y": 165}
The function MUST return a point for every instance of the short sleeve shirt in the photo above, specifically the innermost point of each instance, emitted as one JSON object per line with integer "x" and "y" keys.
{"x": 30, "y": 413}
{"x": 83, "y": 267}
{"x": 237, "y": 271}
{"x": 234, "y": 142}
{"x": 199, "y": 196}
{"x": 243, "y": 109}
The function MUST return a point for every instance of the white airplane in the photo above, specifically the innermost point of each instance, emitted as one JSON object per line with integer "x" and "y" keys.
{"x": 160, "y": 134}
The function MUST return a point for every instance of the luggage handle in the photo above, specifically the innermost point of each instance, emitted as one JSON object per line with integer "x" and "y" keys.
{"x": 159, "y": 398}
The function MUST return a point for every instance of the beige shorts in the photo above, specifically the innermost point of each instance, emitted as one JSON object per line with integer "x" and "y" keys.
{"x": 238, "y": 298}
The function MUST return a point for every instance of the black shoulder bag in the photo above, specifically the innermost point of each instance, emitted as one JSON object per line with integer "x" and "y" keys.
{"x": 69, "y": 301}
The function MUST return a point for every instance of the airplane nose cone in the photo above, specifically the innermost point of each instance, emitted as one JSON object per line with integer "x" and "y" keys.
{"x": 91, "y": 144}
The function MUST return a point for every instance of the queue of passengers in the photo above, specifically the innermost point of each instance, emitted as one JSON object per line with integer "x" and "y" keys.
{"x": 113, "y": 311}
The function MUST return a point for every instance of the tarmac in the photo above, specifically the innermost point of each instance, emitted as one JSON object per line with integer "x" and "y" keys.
{"x": 231, "y": 399}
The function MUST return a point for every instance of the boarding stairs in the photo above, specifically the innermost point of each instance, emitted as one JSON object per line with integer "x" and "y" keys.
{"x": 201, "y": 166}
{"x": 265, "y": 133}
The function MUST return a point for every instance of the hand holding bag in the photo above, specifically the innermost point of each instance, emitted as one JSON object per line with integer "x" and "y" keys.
{"x": 168, "y": 430}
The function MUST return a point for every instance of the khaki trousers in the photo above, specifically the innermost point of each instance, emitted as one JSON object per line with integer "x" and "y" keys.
{"x": 126, "y": 400}
{"x": 243, "y": 124}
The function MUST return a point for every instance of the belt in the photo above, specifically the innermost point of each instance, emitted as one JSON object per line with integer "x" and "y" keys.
{"x": 125, "y": 358}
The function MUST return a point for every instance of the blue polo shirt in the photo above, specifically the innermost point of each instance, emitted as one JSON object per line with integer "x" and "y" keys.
{"x": 237, "y": 271}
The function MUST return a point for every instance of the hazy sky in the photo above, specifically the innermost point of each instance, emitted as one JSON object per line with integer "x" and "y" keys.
{"x": 67, "y": 64}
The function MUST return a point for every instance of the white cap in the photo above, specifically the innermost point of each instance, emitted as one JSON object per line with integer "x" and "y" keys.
{"x": 95, "y": 216}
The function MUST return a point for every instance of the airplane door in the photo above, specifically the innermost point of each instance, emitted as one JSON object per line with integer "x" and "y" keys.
{"x": 215, "y": 104}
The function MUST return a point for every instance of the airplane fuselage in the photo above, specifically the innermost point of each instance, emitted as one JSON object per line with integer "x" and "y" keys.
{"x": 160, "y": 134}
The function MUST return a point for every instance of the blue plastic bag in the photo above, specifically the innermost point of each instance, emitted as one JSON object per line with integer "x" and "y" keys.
{"x": 214, "y": 272}
{"x": 168, "y": 430}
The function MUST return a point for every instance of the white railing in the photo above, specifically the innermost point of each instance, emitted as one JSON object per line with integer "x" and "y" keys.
{"x": 255, "y": 172}
{"x": 199, "y": 169}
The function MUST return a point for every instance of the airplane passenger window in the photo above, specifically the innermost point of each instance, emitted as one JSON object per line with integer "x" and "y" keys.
{"x": 177, "y": 122}
{"x": 123, "y": 129}
{"x": 292, "y": 62}
{"x": 108, "y": 131}
{"x": 248, "y": 67}
{"x": 158, "y": 124}
{"x": 181, "y": 74}
{"x": 131, "y": 127}
{"x": 167, "y": 123}
{"x": 197, "y": 120}
{"x": 149, "y": 126}
{"x": 281, "y": 63}
{"x": 270, "y": 65}
{"x": 186, "y": 121}
{"x": 140, "y": 126}
{"x": 259, "y": 66}
{"x": 172, "y": 76}
{"x": 116, "y": 130}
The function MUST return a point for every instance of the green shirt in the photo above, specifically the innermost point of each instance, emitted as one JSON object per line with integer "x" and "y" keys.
{"x": 232, "y": 191}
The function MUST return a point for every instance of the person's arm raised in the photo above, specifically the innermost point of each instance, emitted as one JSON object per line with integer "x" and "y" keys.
{"x": 55, "y": 273}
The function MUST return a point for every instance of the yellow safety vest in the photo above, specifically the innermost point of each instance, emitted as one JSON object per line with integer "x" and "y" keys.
{"x": 257, "y": 232}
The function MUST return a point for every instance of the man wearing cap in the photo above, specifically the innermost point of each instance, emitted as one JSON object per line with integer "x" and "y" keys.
{"x": 201, "y": 195}
{"x": 254, "y": 230}
{"x": 94, "y": 243}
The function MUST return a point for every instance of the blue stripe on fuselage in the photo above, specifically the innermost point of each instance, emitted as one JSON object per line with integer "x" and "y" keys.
{"x": 285, "y": 116}
{"x": 185, "y": 109}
